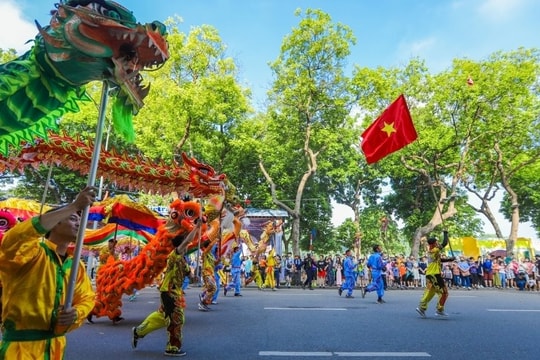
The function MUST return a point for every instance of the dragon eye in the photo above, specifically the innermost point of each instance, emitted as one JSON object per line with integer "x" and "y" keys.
{"x": 190, "y": 213}
{"x": 112, "y": 14}
{"x": 173, "y": 214}
{"x": 102, "y": 10}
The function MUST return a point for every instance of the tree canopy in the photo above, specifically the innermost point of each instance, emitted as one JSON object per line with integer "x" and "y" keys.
{"x": 477, "y": 123}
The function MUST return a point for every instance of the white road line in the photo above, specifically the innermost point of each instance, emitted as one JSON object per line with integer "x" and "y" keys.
{"x": 513, "y": 310}
{"x": 343, "y": 354}
{"x": 294, "y": 353}
{"x": 306, "y": 309}
{"x": 382, "y": 354}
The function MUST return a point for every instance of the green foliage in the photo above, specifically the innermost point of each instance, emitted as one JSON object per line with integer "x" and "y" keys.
{"x": 195, "y": 102}
{"x": 7, "y": 55}
{"x": 63, "y": 187}
{"x": 303, "y": 151}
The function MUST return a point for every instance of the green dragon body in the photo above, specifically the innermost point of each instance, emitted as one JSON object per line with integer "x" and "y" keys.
{"x": 86, "y": 40}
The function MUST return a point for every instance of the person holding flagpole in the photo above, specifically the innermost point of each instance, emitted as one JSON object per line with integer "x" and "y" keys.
{"x": 435, "y": 282}
{"x": 35, "y": 276}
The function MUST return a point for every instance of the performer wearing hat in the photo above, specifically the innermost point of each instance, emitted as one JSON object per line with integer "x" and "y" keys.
{"x": 435, "y": 282}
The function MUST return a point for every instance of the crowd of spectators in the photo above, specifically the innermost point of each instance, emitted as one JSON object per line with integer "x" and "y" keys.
{"x": 400, "y": 272}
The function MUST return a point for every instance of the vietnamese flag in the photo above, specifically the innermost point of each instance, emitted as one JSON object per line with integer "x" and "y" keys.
{"x": 390, "y": 132}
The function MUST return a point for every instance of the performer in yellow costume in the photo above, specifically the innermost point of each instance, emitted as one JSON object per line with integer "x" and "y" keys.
{"x": 35, "y": 276}
{"x": 255, "y": 276}
{"x": 171, "y": 312}
{"x": 435, "y": 282}
{"x": 208, "y": 274}
{"x": 269, "y": 280}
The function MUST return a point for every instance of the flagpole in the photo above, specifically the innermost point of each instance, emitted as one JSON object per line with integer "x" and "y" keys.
{"x": 91, "y": 182}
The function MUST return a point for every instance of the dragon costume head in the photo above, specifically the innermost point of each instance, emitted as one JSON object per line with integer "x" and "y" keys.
{"x": 86, "y": 40}
{"x": 100, "y": 39}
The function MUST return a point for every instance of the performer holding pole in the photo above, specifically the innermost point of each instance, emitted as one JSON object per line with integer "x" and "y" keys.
{"x": 434, "y": 281}
{"x": 35, "y": 276}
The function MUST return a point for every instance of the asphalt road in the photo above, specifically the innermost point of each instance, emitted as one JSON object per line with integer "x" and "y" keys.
{"x": 301, "y": 324}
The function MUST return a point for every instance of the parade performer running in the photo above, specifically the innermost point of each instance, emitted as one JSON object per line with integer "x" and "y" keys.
{"x": 236, "y": 264}
{"x": 349, "y": 268}
{"x": 435, "y": 282}
{"x": 208, "y": 274}
{"x": 376, "y": 264}
{"x": 171, "y": 312}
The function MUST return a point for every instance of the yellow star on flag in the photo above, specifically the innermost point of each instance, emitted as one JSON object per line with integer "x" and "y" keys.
{"x": 388, "y": 128}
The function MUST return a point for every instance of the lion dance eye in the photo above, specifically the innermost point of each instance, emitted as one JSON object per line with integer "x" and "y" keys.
{"x": 190, "y": 213}
{"x": 173, "y": 214}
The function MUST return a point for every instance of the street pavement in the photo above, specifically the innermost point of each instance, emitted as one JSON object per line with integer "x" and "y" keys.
{"x": 302, "y": 324}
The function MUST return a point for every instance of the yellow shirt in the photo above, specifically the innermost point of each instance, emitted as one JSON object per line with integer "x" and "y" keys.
{"x": 177, "y": 269}
{"x": 434, "y": 259}
{"x": 31, "y": 274}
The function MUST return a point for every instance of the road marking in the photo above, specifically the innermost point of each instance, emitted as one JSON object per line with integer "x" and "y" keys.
{"x": 513, "y": 310}
{"x": 294, "y": 353}
{"x": 306, "y": 309}
{"x": 344, "y": 354}
{"x": 383, "y": 354}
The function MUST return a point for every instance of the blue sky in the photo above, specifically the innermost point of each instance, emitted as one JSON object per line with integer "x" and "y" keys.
{"x": 388, "y": 32}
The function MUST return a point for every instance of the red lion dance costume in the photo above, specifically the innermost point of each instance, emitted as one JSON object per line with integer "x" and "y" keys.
{"x": 119, "y": 277}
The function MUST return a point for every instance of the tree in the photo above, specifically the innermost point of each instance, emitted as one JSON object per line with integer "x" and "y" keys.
{"x": 506, "y": 103}
{"x": 195, "y": 100}
{"x": 526, "y": 183}
{"x": 434, "y": 164}
{"x": 309, "y": 105}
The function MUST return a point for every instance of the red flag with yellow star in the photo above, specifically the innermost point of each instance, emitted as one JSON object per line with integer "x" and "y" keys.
{"x": 390, "y": 132}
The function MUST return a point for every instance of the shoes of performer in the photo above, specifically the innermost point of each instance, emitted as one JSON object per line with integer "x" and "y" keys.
{"x": 303, "y": 287}
{"x": 381, "y": 301}
{"x": 441, "y": 313}
{"x": 214, "y": 302}
{"x": 238, "y": 294}
{"x": 176, "y": 353}
{"x": 225, "y": 291}
{"x": 89, "y": 318}
{"x": 117, "y": 319}
{"x": 340, "y": 291}
{"x": 203, "y": 307}
{"x": 363, "y": 292}
{"x": 349, "y": 296}
{"x": 422, "y": 312}
{"x": 135, "y": 338}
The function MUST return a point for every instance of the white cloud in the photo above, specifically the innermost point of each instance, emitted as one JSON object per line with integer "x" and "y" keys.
{"x": 14, "y": 30}
{"x": 421, "y": 48}
{"x": 422, "y": 45}
{"x": 500, "y": 10}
